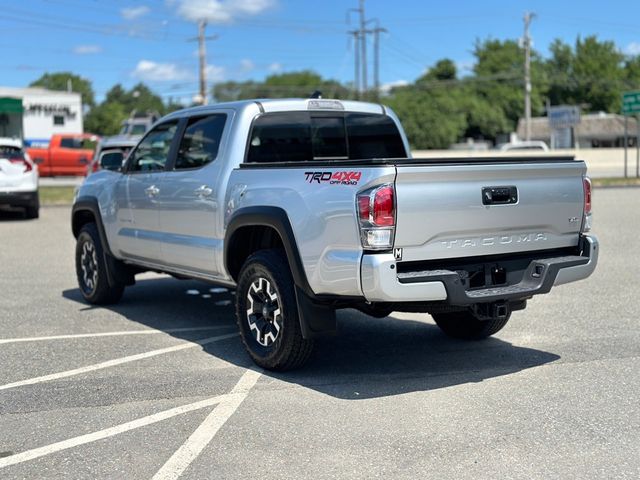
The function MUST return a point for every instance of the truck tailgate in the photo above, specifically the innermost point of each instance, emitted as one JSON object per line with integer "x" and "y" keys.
{"x": 472, "y": 209}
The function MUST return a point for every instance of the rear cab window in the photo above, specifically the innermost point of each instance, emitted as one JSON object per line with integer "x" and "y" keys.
{"x": 78, "y": 143}
{"x": 311, "y": 136}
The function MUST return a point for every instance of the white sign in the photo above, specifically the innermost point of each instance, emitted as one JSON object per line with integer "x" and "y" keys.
{"x": 564, "y": 116}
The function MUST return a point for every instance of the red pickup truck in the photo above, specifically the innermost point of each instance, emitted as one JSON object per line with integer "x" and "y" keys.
{"x": 67, "y": 154}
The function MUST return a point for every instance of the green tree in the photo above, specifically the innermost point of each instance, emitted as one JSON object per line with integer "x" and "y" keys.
{"x": 593, "y": 74}
{"x": 632, "y": 72}
{"x": 432, "y": 118}
{"x": 499, "y": 77}
{"x": 598, "y": 74}
{"x": 60, "y": 81}
{"x": 139, "y": 97}
{"x": 105, "y": 119}
{"x": 284, "y": 85}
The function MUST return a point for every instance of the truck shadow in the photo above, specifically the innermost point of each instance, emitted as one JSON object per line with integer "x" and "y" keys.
{"x": 369, "y": 358}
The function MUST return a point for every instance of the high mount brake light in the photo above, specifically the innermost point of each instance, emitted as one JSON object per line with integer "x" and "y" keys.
{"x": 377, "y": 217}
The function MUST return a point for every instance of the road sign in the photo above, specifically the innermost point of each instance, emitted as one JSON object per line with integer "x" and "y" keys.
{"x": 631, "y": 102}
{"x": 564, "y": 116}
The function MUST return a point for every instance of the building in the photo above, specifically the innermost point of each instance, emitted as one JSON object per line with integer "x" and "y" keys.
{"x": 595, "y": 130}
{"x": 34, "y": 114}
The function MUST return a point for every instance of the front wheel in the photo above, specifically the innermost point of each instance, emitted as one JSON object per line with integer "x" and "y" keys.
{"x": 267, "y": 313}
{"x": 91, "y": 269}
{"x": 465, "y": 325}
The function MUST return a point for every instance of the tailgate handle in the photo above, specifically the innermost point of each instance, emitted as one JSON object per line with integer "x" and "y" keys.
{"x": 499, "y": 195}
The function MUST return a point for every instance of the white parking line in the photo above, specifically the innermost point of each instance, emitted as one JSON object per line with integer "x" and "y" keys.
{"x": 181, "y": 459}
{"x": 113, "y": 334}
{"x": 117, "y": 361}
{"x": 201, "y": 437}
{"x": 108, "y": 432}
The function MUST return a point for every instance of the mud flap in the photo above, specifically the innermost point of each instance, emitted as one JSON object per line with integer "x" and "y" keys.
{"x": 315, "y": 320}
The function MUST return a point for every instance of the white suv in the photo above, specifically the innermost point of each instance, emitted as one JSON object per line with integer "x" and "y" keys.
{"x": 18, "y": 178}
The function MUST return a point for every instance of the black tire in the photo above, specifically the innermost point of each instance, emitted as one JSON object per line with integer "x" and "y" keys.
{"x": 32, "y": 212}
{"x": 271, "y": 332}
{"x": 91, "y": 269}
{"x": 466, "y": 326}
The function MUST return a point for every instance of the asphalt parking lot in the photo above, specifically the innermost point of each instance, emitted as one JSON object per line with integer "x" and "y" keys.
{"x": 158, "y": 386}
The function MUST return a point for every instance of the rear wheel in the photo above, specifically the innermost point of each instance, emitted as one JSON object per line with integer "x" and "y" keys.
{"x": 267, "y": 313}
{"x": 465, "y": 325}
{"x": 91, "y": 269}
{"x": 32, "y": 212}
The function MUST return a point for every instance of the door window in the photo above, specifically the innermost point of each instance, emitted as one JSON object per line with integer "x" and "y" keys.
{"x": 201, "y": 141}
{"x": 152, "y": 153}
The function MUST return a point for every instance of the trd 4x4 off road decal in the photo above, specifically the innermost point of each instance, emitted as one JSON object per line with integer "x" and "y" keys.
{"x": 333, "y": 178}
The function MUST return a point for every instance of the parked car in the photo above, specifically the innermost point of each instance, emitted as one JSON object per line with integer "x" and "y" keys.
{"x": 111, "y": 152}
{"x": 18, "y": 178}
{"x": 524, "y": 145}
{"x": 138, "y": 123}
{"x": 308, "y": 206}
{"x": 66, "y": 154}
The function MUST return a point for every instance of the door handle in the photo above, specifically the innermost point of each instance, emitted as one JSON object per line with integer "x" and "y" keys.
{"x": 152, "y": 191}
{"x": 203, "y": 191}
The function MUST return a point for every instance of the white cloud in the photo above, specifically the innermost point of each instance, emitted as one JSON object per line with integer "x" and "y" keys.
{"x": 275, "y": 67}
{"x": 465, "y": 67}
{"x": 150, "y": 71}
{"x": 215, "y": 73}
{"x": 219, "y": 11}
{"x": 131, "y": 13}
{"x": 246, "y": 65}
{"x": 86, "y": 49}
{"x": 385, "y": 88}
{"x": 633, "y": 48}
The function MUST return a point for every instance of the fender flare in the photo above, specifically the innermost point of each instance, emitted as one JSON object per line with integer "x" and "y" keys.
{"x": 316, "y": 319}
{"x": 117, "y": 271}
{"x": 89, "y": 204}
{"x": 276, "y": 218}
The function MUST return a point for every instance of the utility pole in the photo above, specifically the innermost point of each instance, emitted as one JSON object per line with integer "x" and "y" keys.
{"x": 202, "y": 56}
{"x": 356, "y": 63}
{"x": 528, "y": 17}
{"x": 376, "y": 55}
{"x": 363, "y": 45}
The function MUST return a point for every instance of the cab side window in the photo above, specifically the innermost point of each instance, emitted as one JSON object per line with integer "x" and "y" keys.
{"x": 152, "y": 153}
{"x": 201, "y": 141}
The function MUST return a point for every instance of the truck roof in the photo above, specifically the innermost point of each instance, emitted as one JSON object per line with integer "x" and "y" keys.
{"x": 269, "y": 105}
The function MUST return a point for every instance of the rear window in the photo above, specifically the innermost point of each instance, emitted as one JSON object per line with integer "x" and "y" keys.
{"x": 11, "y": 153}
{"x": 306, "y": 136}
{"x": 78, "y": 143}
{"x": 373, "y": 136}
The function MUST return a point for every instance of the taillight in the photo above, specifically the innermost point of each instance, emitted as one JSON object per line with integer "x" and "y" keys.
{"x": 586, "y": 221}
{"x": 21, "y": 161}
{"x": 377, "y": 217}
{"x": 587, "y": 195}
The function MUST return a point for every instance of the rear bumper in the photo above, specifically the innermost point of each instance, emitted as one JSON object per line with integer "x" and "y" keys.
{"x": 382, "y": 283}
{"x": 19, "y": 199}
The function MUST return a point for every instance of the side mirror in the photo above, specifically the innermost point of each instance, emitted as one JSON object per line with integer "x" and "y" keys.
{"x": 112, "y": 160}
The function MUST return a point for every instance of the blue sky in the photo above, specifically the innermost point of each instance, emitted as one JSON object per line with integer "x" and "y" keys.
{"x": 126, "y": 41}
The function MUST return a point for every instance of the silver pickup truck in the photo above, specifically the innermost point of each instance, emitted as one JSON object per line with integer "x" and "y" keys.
{"x": 306, "y": 206}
